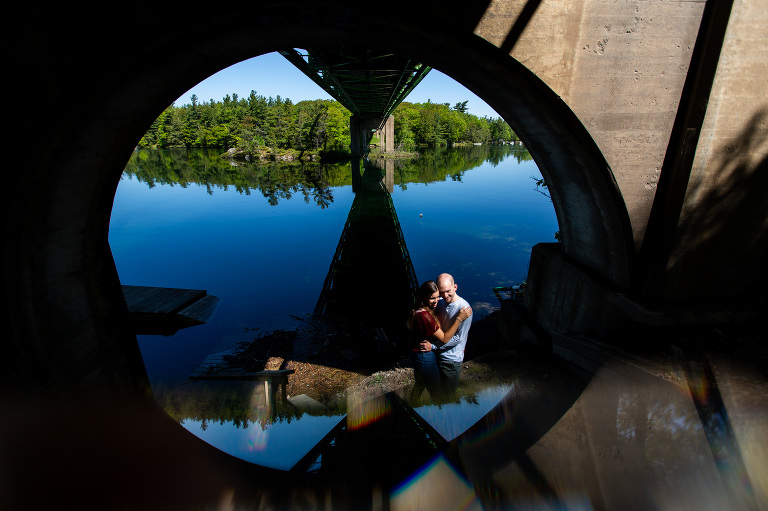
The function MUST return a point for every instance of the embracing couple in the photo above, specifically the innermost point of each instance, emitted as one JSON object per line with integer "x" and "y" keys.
{"x": 439, "y": 329}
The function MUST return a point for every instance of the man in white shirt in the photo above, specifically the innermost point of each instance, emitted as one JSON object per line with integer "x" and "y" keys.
{"x": 450, "y": 355}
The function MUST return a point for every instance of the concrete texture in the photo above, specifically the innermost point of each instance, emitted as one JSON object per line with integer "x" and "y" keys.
{"x": 592, "y": 88}
{"x": 632, "y": 440}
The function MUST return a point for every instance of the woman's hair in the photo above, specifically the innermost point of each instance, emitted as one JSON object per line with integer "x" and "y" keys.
{"x": 427, "y": 289}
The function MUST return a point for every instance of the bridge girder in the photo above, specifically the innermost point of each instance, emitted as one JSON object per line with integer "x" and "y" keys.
{"x": 368, "y": 83}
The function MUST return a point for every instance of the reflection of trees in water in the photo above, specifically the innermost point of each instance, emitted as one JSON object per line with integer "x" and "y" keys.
{"x": 282, "y": 180}
{"x": 275, "y": 180}
{"x": 451, "y": 163}
{"x": 439, "y": 165}
{"x": 223, "y": 402}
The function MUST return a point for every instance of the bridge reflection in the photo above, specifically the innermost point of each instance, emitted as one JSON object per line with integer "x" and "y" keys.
{"x": 383, "y": 438}
{"x": 371, "y": 276}
{"x": 371, "y": 279}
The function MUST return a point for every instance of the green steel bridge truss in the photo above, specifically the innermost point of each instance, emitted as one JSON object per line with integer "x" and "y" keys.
{"x": 369, "y": 84}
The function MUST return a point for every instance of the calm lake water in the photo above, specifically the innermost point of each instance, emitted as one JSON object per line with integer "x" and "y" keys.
{"x": 262, "y": 237}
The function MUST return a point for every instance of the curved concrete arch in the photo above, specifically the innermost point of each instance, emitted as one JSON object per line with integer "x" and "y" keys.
{"x": 68, "y": 277}
{"x": 95, "y": 88}
{"x": 594, "y": 222}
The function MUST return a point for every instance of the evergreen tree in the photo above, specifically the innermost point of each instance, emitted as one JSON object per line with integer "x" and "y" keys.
{"x": 257, "y": 123}
{"x": 461, "y": 107}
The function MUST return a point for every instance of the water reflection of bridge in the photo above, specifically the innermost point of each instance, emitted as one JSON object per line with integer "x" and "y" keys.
{"x": 380, "y": 441}
{"x": 371, "y": 276}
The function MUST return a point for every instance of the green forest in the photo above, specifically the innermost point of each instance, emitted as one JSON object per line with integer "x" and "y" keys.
{"x": 316, "y": 126}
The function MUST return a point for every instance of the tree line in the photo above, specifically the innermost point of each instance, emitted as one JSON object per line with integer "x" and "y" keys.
{"x": 257, "y": 122}
{"x": 314, "y": 181}
{"x": 439, "y": 124}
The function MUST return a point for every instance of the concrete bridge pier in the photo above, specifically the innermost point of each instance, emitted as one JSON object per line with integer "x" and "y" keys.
{"x": 387, "y": 135}
{"x": 387, "y": 180}
{"x": 362, "y": 128}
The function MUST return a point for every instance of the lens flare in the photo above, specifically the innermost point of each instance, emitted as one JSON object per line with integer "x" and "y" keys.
{"x": 437, "y": 486}
{"x": 361, "y": 414}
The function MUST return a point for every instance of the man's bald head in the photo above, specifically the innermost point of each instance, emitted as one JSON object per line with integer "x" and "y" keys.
{"x": 447, "y": 287}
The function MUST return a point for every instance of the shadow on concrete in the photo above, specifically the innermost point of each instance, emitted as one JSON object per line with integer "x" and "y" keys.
{"x": 727, "y": 222}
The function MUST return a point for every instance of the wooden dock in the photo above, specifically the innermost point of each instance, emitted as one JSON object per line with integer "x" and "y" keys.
{"x": 215, "y": 367}
{"x": 164, "y": 310}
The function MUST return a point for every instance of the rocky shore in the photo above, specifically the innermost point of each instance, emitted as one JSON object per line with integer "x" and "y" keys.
{"x": 268, "y": 154}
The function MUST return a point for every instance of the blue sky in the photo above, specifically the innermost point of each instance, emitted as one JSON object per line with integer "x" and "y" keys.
{"x": 272, "y": 75}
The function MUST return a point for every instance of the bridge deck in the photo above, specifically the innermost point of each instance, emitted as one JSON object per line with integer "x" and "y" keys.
{"x": 368, "y": 83}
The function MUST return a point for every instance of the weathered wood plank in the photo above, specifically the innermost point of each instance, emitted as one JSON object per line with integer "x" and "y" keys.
{"x": 163, "y": 310}
{"x": 160, "y": 300}
{"x": 202, "y": 309}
